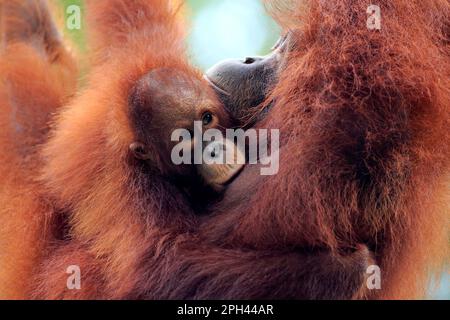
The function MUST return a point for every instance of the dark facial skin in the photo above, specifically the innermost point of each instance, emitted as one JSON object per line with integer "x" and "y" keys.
{"x": 242, "y": 85}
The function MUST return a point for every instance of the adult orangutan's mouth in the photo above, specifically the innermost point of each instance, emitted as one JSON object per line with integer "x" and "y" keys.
{"x": 216, "y": 87}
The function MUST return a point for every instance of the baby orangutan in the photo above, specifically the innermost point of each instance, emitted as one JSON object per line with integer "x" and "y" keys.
{"x": 166, "y": 100}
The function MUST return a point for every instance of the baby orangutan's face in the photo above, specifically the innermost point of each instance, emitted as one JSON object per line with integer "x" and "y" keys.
{"x": 166, "y": 100}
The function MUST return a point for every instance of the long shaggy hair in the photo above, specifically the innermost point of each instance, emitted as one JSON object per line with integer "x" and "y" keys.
{"x": 364, "y": 116}
{"x": 364, "y": 158}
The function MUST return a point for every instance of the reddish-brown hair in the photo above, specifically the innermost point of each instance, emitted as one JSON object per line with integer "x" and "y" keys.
{"x": 364, "y": 159}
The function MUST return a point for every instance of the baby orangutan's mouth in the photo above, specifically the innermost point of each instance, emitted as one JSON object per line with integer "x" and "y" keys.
{"x": 231, "y": 173}
{"x": 219, "y": 176}
{"x": 225, "y": 163}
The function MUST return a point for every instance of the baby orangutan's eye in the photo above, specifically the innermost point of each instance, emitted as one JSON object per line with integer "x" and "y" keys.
{"x": 207, "y": 118}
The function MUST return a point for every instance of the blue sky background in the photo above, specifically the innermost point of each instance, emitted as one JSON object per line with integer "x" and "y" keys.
{"x": 224, "y": 29}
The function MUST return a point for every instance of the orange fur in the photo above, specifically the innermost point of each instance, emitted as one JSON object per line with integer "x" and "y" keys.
{"x": 38, "y": 75}
{"x": 96, "y": 125}
{"x": 148, "y": 220}
{"x": 364, "y": 118}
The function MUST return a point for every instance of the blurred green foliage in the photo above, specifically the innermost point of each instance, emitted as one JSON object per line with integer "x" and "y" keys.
{"x": 78, "y": 36}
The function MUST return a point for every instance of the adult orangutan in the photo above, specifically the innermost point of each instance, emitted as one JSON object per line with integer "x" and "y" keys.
{"x": 364, "y": 118}
{"x": 364, "y": 164}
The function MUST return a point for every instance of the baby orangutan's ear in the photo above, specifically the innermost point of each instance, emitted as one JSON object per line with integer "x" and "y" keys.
{"x": 140, "y": 151}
